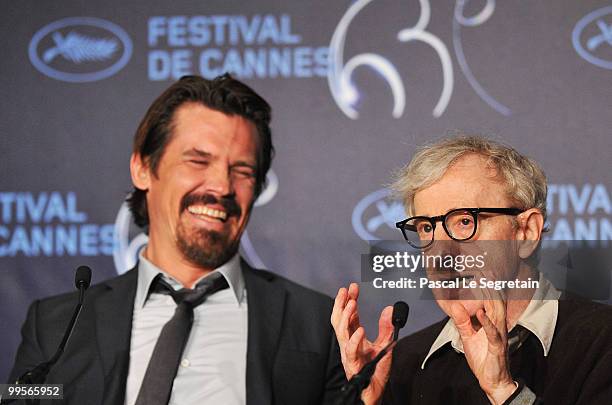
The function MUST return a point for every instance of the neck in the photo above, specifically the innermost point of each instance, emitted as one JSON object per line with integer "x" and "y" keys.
{"x": 175, "y": 264}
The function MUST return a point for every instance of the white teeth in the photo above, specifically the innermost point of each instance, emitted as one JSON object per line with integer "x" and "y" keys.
{"x": 203, "y": 210}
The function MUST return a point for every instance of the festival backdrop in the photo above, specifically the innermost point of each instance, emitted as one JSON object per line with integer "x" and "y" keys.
{"x": 356, "y": 87}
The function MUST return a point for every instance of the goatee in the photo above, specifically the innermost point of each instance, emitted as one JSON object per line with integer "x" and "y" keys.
{"x": 205, "y": 248}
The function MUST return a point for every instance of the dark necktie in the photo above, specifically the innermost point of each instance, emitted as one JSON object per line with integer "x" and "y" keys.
{"x": 516, "y": 338}
{"x": 157, "y": 383}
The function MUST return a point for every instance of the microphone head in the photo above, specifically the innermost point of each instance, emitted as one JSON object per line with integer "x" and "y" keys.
{"x": 82, "y": 277}
{"x": 400, "y": 314}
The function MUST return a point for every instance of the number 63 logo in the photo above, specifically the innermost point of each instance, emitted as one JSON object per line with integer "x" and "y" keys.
{"x": 344, "y": 91}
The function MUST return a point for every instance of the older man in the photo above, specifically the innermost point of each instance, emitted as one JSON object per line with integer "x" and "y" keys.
{"x": 518, "y": 346}
{"x": 193, "y": 323}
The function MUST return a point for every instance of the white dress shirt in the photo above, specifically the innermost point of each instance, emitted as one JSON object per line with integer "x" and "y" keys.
{"x": 213, "y": 368}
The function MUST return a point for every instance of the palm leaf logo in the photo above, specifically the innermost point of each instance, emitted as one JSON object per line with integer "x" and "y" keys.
{"x": 80, "y": 48}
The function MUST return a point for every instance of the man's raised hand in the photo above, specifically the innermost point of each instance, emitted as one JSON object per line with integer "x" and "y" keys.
{"x": 355, "y": 349}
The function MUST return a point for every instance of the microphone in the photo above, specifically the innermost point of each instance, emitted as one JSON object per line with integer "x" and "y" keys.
{"x": 39, "y": 373}
{"x": 399, "y": 317}
{"x": 352, "y": 389}
{"x": 82, "y": 277}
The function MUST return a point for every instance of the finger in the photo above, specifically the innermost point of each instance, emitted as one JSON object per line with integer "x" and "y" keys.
{"x": 461, "y": 319}
{"x": 354, "y": 350}
{"x": 493, "y": 296}
{"x": 385, "y": 326}
{"x": 490, "y": 294}
{"x": 353, "y": 291}
{"x": 354, "y": 322}
{"x": 496, "y": 312}
{"x": 493, "y": 336}
{"x": 339, "y": 304}
{"x": 343, "y": 333}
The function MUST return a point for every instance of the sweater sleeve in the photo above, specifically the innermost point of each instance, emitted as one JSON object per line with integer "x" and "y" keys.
{"x": 522, "y": 396}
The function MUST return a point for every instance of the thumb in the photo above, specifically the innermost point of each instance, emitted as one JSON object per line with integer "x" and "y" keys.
{"x": 385, "y": 326}
{"x": 461, "y": 319}
{"x": 383, "y": 368}
{"x": 374, "y": 392}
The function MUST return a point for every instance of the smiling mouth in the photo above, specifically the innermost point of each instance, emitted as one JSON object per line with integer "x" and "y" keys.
{"x": 207, "y": 212}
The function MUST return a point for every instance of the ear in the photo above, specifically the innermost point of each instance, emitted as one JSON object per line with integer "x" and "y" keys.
{"x": 141, "y": 176}
{"x": 529, "y": 232}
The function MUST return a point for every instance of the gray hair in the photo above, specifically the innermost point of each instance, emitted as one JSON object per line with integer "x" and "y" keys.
{"x": 525, "y": 181}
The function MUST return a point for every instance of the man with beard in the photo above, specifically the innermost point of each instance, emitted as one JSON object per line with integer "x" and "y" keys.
{"x": 193, "y": 323}
{"x": 516, "y": 346}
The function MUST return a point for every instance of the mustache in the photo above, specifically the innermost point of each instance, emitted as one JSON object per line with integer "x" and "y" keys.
{"x": 228, "y": 203}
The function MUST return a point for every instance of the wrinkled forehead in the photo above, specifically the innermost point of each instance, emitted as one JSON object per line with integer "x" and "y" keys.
{"x": 471, "y": 181}
{"x": 196, "y": 125}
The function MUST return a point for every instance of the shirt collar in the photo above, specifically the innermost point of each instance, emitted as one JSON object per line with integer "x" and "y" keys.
{"x": 539, "y": 318}
{"x": 147, "y": 272}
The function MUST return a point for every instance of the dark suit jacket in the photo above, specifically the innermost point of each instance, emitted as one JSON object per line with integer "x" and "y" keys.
{"x": 292, "y": 355}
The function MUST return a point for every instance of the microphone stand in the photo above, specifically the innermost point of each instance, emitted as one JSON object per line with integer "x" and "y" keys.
{"x": 38, "y": 374}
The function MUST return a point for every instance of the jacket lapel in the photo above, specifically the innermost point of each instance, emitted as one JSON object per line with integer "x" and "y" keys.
{"x": 114, "y": 309}
{"x": 266, "y": 306}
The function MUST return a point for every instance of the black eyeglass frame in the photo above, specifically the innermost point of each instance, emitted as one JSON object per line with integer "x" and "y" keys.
{"x": 401, "y": 225}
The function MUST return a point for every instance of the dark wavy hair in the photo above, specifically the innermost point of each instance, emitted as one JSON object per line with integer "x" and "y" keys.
{"x": 224, "y": 94}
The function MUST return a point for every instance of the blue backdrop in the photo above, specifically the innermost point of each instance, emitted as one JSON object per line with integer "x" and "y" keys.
{"x": 356, "y": 86}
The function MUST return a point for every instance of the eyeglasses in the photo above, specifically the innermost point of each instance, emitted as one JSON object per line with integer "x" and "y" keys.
{"x": 460, "y": 224}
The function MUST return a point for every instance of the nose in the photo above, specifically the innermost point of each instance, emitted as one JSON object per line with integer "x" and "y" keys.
{"x": 219, "y": 181}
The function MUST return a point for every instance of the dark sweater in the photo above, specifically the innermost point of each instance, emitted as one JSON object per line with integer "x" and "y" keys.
{"x": 577, "y": 370}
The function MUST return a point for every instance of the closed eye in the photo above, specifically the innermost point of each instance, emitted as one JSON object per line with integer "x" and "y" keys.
{"x": 244, "y": 171}
{"x": 197, "y": 156}
{"x": 199, "y": 162}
